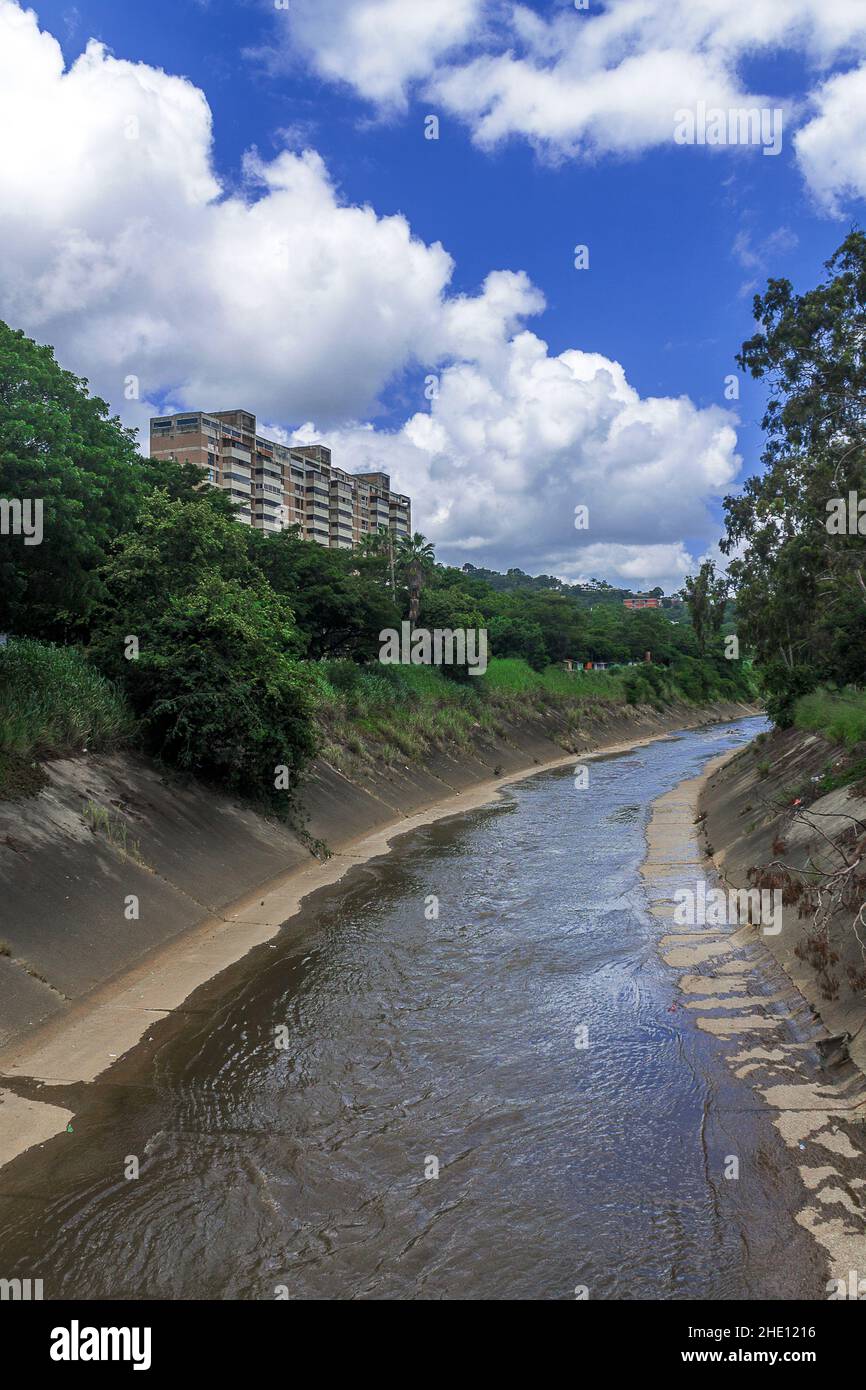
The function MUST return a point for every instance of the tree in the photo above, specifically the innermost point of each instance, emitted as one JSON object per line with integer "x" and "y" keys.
{"x": 518, "y": 637}
{"x": 705, "y": 597}
{"x": 800, "y": 582}
{"x": 339, "y": 601}
{"x": 60, "y": 449}
{"x": 560, "y": 620}
{"x": 205, "y": 649}
{"x": 450, "y": 607}
{"x": 415, "y": 558}
{"x": 374, "y": 556}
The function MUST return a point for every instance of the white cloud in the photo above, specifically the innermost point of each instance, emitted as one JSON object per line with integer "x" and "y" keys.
{"x": 122, "y": 249}
{"x": 831, "y": 148}
{"x": 567, "y": 109}
{"x": 510, "y": 447}
{"x": 588, "y": 83}
{"x": 634, "y": 567}
{"x": 611, "y": 81}
{"x": 378, "y": 46}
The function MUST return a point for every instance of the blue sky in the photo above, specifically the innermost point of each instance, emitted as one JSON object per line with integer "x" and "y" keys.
{"x": 679, "y": 238}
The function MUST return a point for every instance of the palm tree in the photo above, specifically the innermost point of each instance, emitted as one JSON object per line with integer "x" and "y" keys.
{"x": 373, "y": 542}
{"x": 416, "y": 557}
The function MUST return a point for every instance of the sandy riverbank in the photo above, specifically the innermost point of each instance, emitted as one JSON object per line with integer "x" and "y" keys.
{"x": 83, "y": 1042}
{"x": 735, "y": 989}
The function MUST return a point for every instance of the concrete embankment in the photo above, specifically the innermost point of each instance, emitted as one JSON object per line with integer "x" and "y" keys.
{"x": 752, "y": 990}
{"x": 765, "y": 822}
{"x": 123, "y": 889}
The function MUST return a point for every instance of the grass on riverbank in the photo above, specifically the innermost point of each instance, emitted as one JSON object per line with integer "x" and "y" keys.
{"x": 400, "y": 713}
{"x": 403, "y": 713}
{"x": 52, "y": 702}
{"x": 840, "y": 715}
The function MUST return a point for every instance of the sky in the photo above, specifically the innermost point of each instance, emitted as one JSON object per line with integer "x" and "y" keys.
{"x": 212, "y": 204}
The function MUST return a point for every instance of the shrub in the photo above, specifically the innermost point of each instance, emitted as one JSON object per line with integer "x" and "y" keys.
{"x": 218, "y": 695}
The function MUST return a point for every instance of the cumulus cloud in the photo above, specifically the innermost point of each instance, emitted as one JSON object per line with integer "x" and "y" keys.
{"x": 632, "y": 567}
{"x": 831, "y": 147}
{"x": 610, "y": 81}
{"x": 511, "y": 445}
{"x": 123, "y": 249}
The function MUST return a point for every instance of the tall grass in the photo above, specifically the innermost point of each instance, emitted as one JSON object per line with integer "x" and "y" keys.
{"x": 400, "y": 713}
{"x": 840, "y": 715}
{"x": 363, "y": 690}
{"x": 513, "y": 676}
{"x": 52, "y": 701}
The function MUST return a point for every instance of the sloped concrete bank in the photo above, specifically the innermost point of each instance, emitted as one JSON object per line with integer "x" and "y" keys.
{"x": 123, "y": 890}
{"x": 765, "y": 821}
{"x": 794, "y": 1032}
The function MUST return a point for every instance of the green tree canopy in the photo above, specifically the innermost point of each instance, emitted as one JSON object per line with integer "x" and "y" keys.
{"x": 60, "y": 448}
{"x": 706, "y": 596}
{"x": 213, "y": 674}
{"x": 340, "y": 601}
{"x": 801, "y": 585}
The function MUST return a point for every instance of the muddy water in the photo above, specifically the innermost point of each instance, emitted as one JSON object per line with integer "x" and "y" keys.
{"x": 410, "y": 1041}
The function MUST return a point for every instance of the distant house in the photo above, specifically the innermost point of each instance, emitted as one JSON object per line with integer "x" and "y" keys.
{"x": 642, "y": 601}
{"x": 654, "y": 599}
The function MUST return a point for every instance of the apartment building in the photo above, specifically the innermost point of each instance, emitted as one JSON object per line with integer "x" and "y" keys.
{"x": 278, "y": 485}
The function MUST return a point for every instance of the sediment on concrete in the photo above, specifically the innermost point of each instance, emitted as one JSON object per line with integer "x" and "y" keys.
{"x": 731, "y": 985}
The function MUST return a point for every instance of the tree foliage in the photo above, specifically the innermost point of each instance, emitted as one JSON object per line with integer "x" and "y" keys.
{"x": 212, "y": 670}
{"x": 59, "y": 447}
{"x": 801, "y": 594}
{"x": 705, "y": 596}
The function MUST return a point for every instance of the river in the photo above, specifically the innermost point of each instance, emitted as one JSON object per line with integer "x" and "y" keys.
{"x": 288, "y": 1127}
